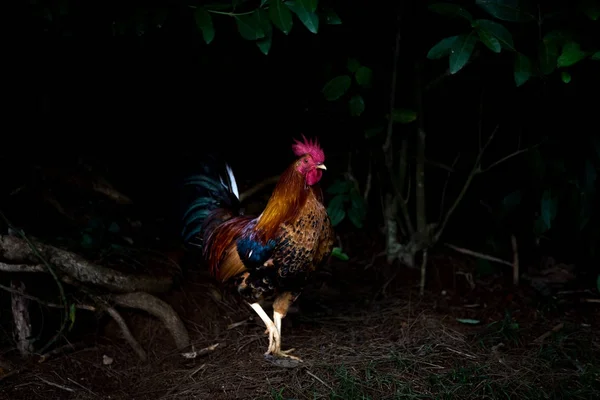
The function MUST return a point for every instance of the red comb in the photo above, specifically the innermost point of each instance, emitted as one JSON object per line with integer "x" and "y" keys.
{"x": 309, "y": 147}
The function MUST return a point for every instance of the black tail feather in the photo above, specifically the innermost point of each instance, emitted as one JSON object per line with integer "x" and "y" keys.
{"x": 213, "y": 187}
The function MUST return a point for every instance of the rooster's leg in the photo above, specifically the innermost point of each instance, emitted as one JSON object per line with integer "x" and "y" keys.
{"x": 271, "y": 329}
{"x": 274, "y": 330}
{"x": 280, "y": 308}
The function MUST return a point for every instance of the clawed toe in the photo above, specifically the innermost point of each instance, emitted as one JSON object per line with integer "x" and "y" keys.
{"x": 283, "y": 354}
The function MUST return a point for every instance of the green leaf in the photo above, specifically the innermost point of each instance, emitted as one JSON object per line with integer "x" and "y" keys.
{"x": 591, "y": 8}
{"x": 281, "y": 16}
{"x": 451, "y": 10}
{"x": 357, "y": 201}
{"x": 596, "y": 56}
{"x": 363, "y": 76}
{"x": 498, "y": 31}
{"x": 264, "y": 44}
{"x": 249, "y": 26}
{"x": 302, "y": 10}
{"x": 353, "y": 65}
{"x": 598, "y": 283}
{"x": 512, "y": 200}
{"x": 549, "y": 205}
{"x": 311, "y": 5}
{"x": 571, "y": 54}
{"x": 336, "y": 215}
{"x": 332, "y": 18}
{"x": 372, "y": 132}
{"x": 559, "y": 36}
{"x": 468, "y": 321}
{"x": 441, "y": 48}
{"x": 547, "y": 54}
{"x": 114, "y": 227}
{"x": 404, "y": 116}
{"x": 355, "y": 217}
{"x": 522, "y": 69}
{"x": 336, "y": 210}
{"x": 339, "y": 187}
{"x": 489, "y": 41}
{"x": 462, "y": 48}
{"x": 565, "y": 77}
{"x": 338, "y": 253}
{"x": 356, "y": 105}
{"x": 337, "y": 87}
{"x": 87, "y": 241}
{"x": 205, "y": 24}
{"x": 506, "y": 10}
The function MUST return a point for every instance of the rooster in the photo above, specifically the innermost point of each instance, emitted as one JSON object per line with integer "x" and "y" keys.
{"x": 271, "y": 256}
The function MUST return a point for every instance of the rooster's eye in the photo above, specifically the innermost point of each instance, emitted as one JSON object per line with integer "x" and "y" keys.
{"x": 305, "y": 161}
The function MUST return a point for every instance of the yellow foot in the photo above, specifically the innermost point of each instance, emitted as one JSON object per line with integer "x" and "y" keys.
{"x": 282, "y": 354}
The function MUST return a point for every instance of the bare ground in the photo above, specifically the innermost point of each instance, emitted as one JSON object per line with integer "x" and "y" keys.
{"x": 354, "y": 347}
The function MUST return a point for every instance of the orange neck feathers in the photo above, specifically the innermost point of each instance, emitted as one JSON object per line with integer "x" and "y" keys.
{"x": 288, "y": 197}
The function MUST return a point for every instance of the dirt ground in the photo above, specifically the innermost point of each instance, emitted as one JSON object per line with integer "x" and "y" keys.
{"x": 480, "y": 343}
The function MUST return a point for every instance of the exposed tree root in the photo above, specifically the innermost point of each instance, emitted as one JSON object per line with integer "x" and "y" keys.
{"x": 127, "y": 333}
{"x": 17, "y": 250}
{"x": 105, "y": 286}
{"x": 158, "y": 308}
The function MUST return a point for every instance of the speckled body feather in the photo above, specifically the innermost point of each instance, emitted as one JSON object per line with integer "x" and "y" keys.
{"x": 277, "y": 251}
{"x": 303, "y": 244}
{"x": 296, "y": 239}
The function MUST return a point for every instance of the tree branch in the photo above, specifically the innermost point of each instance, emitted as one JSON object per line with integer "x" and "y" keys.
{"x": 478, "y": 255}
{"x": 474, "y": 171}
{"x": 394, "y": 249}
{"x": 443, "y": 197}
{"x": 423, "y": 272}
{"x": 70, "y": 265}
{"x": 390, "y": 126}
{"x": 387, "y": 145}
{"x": 368, "y": 182}
{"x": 5, "y": 267}
{"x": 420, "y": 164}
{"x": 516, "y": 271}
{"x": 421, "y": 208}
{"x": 508, "y": 157}
{"x": 440, "y": 165}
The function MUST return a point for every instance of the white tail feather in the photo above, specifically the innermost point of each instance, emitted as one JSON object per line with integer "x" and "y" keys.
{"x": 233, "y": 183}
